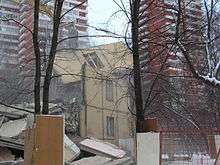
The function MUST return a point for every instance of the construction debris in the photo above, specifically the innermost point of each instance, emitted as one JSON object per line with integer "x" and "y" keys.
{"x": 12, "y": 143}
{"x": 11, "y": 134}
{"x": 19, "y": 162}
{"x": 14, "y": 125}
{"x": 98, "y": 160}
{"x": 71, "y": 150}
{"x": 123, "y": 161}
{"x": 13, "y": 128}
{"x": 101, "y": 148}
{"x": 217, "y": 161}
{"x": 5, "y": 154}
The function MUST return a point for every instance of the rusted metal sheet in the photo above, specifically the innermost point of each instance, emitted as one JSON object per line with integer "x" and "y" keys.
{"x": 150, "y": 125}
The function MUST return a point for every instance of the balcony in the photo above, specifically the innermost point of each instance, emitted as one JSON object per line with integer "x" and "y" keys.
{"x": 24, "y": 7}
{"x": 22, "y": 51}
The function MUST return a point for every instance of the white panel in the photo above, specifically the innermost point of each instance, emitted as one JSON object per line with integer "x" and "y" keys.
{"x": 217, "y": 142}
{"x": 148, "y": 148}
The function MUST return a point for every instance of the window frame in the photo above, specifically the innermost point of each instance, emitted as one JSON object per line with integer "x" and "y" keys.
{"x": 110, "y": 127}
{"x": 93, "y": 60}
{"x": 109, "y": 90}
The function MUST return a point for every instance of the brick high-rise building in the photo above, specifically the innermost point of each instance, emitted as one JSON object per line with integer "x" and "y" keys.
{"x": 164, "y": 70}
{"x": 158, "y": 25}
{"x": 74, "y": 23}
{"x": 16, "y": 47}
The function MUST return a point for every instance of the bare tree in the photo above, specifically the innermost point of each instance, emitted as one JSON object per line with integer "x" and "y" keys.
{"x": 57, "y": 17}
{"x": 161, "y": 46}
{"x": 209, "y": 37}
{"x": 37, "y": 81}
{"x": 134, "y": 7}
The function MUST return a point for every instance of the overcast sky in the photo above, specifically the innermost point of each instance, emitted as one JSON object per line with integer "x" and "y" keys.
{"x": 100, "y": 12}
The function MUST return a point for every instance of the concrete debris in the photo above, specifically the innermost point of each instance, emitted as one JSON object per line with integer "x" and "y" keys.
{"x": 12, "y": 135}
{"x": 101, "y": 148}
{"x": 20, "y": 162}
{"x": 1, "y": 120}
{"x": 98, "y": 160}
{"x": 123, "y": 161}
{"x": 12, "y": 143}
{"x": 13, "y": 128}
{"x": 12, "y": 113}
{"x": 71, "y": 150}
{"x": 5, "y": 154}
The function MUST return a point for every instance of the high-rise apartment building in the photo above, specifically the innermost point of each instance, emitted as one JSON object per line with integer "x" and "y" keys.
{"x": 16, "y": 45}
{"x": 158, "y": 25}
{"x": 167, "y": 84}
{"x": 74, "y": 23}
{"x": 9, "y": 34}
{"x": 81, "y": 21}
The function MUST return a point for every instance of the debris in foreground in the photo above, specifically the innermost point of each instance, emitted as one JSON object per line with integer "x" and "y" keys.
{"x": 217, "y": 161}
{"x": 99, "y": 160}
{"x": 12, "y": 136}
{"x": 71, "y": 150}
{"x": 101, "y": 148}
{"x": 19, "y": 162}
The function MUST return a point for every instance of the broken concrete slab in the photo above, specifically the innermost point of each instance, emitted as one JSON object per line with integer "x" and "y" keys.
{"x": 101, "y": 148}
{"x": 19, "y": 162}
{"x": 12, "y": 143}
{"x": 123, "y": 161}
{"x": 71, "y": 150}
{"x": 95, "y": 160}
{"x": 12, "y": 113}
{"x": 13, "y": 128}
{"x": 99, "y": 160}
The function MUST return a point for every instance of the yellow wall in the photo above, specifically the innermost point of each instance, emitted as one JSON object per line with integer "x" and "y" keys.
{"x": 98, "y": 108}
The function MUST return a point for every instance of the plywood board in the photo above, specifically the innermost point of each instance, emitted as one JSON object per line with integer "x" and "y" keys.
{"x": 46, "y": 141}
{"x": 29, "y": 146}
{"x": 49, "y": 134}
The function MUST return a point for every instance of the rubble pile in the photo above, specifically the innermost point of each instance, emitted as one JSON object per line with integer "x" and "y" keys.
{"x": 12, "y": 137}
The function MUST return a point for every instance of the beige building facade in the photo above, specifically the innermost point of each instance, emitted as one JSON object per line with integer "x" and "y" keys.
{"x": 104, "y": 75}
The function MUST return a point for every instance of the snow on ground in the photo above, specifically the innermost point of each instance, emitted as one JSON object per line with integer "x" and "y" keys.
{"x": 196, "y": 159}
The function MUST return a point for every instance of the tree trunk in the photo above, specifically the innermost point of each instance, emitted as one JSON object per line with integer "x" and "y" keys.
{"x": 136, "y": 64}
{"x": 47, "y": 80}
{"x": 37, "y": 80}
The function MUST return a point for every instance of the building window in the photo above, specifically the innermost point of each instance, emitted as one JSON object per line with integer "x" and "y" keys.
{"x": 110, "y": 126}
{"x": 109, "y": 90}
{"x": 93, "y": 60}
